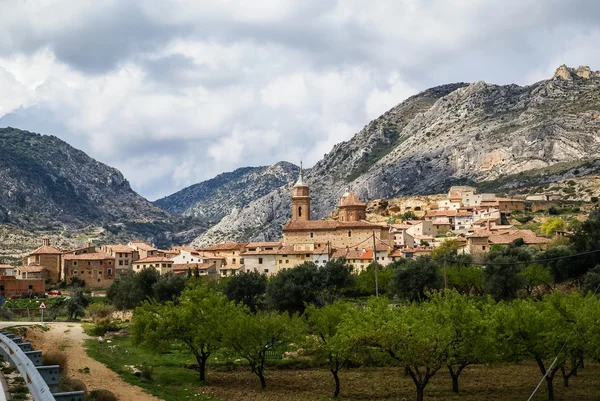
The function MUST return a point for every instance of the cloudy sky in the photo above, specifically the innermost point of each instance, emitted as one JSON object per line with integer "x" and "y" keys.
{"x": 175, "y": 92}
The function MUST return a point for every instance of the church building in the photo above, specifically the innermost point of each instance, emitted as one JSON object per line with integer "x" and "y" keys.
{"x": 350, "y": 230}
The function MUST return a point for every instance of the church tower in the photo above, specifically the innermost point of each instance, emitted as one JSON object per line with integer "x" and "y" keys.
{"x": 300, "y": 199}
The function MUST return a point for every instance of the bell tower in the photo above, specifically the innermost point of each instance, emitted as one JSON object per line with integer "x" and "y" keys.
{"x": 300, "y": 199}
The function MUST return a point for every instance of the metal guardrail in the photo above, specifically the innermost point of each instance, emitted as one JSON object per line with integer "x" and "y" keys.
{"x": 42, "y": 381}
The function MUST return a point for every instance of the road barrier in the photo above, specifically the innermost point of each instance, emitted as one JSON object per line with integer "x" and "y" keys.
{"x": 42, "y": 381}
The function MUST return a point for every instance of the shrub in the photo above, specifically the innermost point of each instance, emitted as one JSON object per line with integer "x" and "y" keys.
{"x": 56, "y": 358}
{"x": 102, "y": 395}
{"x": 594, "y": 199}
{"x": 103, "y": 325}
{"x": 98, "y": 310}
{"x": 66, "y": 384}
{"x": 147, "y": 372}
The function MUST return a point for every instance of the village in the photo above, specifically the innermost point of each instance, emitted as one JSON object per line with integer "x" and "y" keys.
{"x": 475, "y": 220}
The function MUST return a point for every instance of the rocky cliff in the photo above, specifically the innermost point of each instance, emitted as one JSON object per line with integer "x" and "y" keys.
{"x": 47, "y": 184}
{"x": 212, "y": 200}
{"x": 458, "y": 133}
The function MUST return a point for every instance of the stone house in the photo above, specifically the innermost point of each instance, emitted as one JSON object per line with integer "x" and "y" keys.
{"x": 400, "y": 235}
{"x": 124, "y": 257}
{"x": 7, "y": 270}
{"x": 204, "y": 269}
{"x": 47, "y": 256}
{"x": 261, "y": 257}
{"x": 160, "y": 263}
{"x": 11, "y": 286}
{"x": 229, "y": 251}
{"x": 33, "y": 272}
{"x": 143, "y": 249}
{"x": 97, "y": 269}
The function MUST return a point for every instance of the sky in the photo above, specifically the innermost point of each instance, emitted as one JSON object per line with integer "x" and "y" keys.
{"x": 175, "y": 92}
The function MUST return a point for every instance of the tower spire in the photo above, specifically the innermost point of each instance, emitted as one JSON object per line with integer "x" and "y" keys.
{"x": 300, "y": 176}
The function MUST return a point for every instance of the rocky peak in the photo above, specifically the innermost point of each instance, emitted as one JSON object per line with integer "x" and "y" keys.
{"x": 567, "y": 73}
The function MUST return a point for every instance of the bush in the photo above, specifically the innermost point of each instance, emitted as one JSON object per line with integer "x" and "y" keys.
{"x": 66, "y": 384}
{"x": 103, "y": 325}
{"x": 98, "y": 310}
{"x": 147, "y": 372}
{"x": 56, "y": 358}
{"x": 102, "y": 395}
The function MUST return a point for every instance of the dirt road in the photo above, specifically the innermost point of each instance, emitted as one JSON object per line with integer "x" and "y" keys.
{"x": 69, "y": 338}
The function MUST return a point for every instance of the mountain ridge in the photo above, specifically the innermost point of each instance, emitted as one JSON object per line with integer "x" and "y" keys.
{"x": 493, "y": 130}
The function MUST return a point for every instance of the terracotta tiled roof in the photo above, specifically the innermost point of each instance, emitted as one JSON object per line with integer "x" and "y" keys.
{"x": 419, "y": 249}
{"x": 6, "y": 267}
{"x": 400, "y": 226}
{"x": 225, "y": 246}
{"x": 32, "y": 269}
{"x": 142, "y": 245}
{"x": 185, "y": 266}
{"x": 350, "y": 199}
{"x": 119, "y": 248}
{"x": 262, "y": 244}
{"x": 464, "y": 214}
{"x": 506, "y": 237}
{"x": 274, "y": 251}
{"x": 88, "y": 256}
{"x": 298, "y": 225}
{"x": 154, "y": 259}
{"x": 441, "y": 223}
{"x": 46, "y": 250}
{"x": 509, "y": 200}
{"x": 289, "y": 250}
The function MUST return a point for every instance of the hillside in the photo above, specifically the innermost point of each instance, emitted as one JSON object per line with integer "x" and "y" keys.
{"x": 452, "y": 134}
{"x": 213, "y": 199}
{"x": 47, "y": 184}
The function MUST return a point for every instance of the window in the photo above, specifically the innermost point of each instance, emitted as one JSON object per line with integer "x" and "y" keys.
{"x": 89, "y": 263}
{"x": 99, "y": 273}
{"x": 99, "y": 279}
{"x": 1, "y": 288}
{"x": 74, "y": 263}
{"x": 74, "y": 272}
{"x": 287, "y": 261}
{"x": 280, "y": 261}
{"x": 241, "y": 261}
{"x": 308, "y": 255}
{"x": 312, "y": 235}
{"x": 285, "y": 256}
{"x": 90, "y": 272}
{"x": 299, "y": 211}
{"x": 30, "y": 287}
{"x": 110, "y": 271}
{"x": 260, "y": 261}
{"x": 109, "y": 263}
{"x": 483, "y": 248}
{"x": 349, "y": 233}
{"x": 233, "y": 261}
{"x": 266, "y": 270}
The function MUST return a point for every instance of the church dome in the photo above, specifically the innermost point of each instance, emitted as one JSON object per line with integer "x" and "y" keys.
{"x": 350, "y": 199}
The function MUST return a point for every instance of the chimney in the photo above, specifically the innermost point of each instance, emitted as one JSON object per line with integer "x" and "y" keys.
{"x": 46, "y": 241}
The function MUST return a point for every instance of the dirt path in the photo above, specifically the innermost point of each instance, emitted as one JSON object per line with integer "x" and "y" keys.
{"x": 69, "y": 338}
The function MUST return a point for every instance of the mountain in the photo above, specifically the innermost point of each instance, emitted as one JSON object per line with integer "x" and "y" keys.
{"x": 212, "y": 200}
{"x": 451, "y": 134}
{"x": 47, "y": 184}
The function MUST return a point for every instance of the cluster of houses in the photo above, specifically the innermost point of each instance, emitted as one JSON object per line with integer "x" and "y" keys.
{"x": 474, "y": 220}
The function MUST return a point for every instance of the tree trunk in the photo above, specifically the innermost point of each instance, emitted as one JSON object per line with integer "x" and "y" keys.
{"x": 420, "y": 393}
{"x": 202, "y": 369}
{"x": 201, "y": 359}
{"x": 337, "y": 382}
{"x": 454, "y": 375}
{"x": 263, "y": 382}
{"x": 550, "y": 388}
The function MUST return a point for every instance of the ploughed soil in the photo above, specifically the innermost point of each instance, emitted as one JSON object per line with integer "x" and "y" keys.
{"x": 498, "y": 383}
{"x": 69, "y": 338}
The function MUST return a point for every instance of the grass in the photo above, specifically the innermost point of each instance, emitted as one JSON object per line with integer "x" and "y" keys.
{"x": 170, "y": 380}
{"x": 233, "y": 382}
